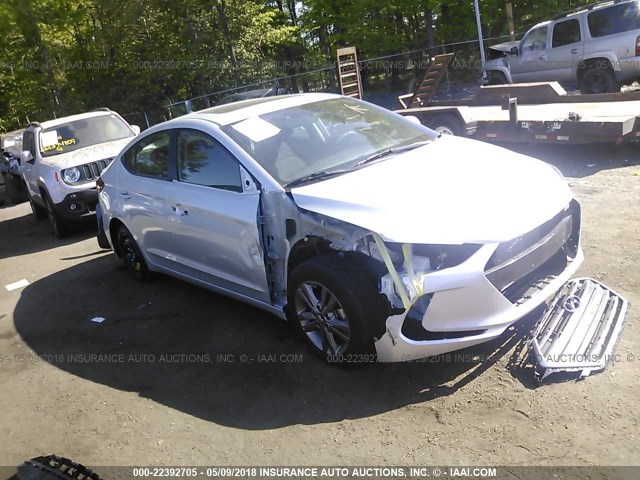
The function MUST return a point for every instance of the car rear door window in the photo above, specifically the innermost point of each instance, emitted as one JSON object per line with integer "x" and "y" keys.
{"x": 566, "y": 33}
{"x": 150, "y": 156}
{"x": 204, "y": 161}
{"x": 615, "y": 19}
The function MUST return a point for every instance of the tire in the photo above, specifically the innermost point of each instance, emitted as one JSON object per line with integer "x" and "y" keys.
{"x": 38, "y": 212}
{"x": 496, "y": 78}
{"x": 446, "y": 125}
{"x": 57, "y": 226}
{"x": 355, "y": 312}
{"x": 14, "y": 188}
{"x": 132, "y": 256}
{"x": 599, "y": 80}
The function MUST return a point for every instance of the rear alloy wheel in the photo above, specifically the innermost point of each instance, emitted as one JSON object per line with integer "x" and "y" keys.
{"x": 599, "y": 80}
{"x": 132, "y": 256}
{"x": 336, "y": 309}
{"x": 57, "y": 227}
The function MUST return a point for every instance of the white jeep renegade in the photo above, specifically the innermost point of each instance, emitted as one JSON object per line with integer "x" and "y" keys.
{"x": 62, "y": 158}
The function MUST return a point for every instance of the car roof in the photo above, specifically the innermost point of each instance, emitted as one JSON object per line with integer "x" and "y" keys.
{"x": 72, "y": 118}
{"x": 236, "y": 97}
{"x": 237, "y": 111}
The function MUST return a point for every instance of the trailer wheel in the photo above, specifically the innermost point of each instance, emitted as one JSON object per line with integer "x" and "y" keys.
{"x": 599, "y": 80}
{"x": 446, "y": 125}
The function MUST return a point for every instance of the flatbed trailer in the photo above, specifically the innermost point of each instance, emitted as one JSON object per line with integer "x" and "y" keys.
{"x": 533, "y": 113}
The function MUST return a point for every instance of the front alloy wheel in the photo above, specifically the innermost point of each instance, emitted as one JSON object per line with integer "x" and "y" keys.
{"x": 322, "y": 318}
{"x": 335, "y": 306}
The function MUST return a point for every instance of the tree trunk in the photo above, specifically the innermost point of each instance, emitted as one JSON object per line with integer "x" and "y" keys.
{"x": 221, "y": 7}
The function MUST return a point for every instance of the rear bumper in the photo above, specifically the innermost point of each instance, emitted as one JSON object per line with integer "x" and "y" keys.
{"x": 101, "y": 236}
{"x": 77, "y": 205}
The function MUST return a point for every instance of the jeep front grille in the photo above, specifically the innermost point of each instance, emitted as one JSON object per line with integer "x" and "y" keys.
{"x": 92, "y": 171}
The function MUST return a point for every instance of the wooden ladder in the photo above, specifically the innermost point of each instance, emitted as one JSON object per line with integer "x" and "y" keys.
{"x": 430, "y": 81}
{"x": 349, "y": 73}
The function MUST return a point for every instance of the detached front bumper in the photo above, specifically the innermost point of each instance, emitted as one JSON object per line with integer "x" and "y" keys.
{"x": 479, "y": 299}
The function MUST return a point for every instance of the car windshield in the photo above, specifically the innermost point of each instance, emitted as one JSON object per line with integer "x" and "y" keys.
{"x": 327, "y": 136}
{"x": 83, "y": 133}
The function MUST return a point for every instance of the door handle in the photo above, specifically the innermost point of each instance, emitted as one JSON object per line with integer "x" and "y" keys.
{"x": 125, "y": 194}
{"x": 574, "y": 51}
{"x": 543, "y": 57}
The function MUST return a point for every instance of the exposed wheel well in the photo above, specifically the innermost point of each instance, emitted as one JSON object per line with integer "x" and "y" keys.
{"x": 586, "y": 65}
{"x": 314, "y": 246}
{"x": 114, "y": 227}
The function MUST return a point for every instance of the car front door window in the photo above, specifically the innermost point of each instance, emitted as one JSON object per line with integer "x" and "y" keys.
{"x": 150, "y": 156}
{"x": 535, "y": 41}
{"x": 204, "y": 161}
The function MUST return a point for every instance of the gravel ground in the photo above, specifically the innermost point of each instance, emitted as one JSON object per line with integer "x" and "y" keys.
{"x": 177, "y": 375}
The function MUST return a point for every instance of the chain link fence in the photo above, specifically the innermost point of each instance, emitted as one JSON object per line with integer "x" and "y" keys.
{"x": 384, "y": 78}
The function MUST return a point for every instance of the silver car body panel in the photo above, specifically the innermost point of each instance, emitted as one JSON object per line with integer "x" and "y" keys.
{"x": 404, "y": 201}
{"x": 561, "y": 63}
{"x": 418, "y": 207}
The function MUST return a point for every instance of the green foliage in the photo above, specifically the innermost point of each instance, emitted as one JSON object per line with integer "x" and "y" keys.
{"x": 59, "y": 57}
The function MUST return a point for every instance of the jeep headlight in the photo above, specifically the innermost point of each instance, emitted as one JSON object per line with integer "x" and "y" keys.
{"x": 71, "y": 175}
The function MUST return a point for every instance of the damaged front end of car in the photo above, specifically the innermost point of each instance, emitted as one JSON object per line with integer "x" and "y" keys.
{"x": 441, "y": 297}
{"x": 449, "y": 297}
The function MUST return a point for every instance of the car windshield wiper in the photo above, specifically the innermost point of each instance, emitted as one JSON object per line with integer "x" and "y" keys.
{"x": 315, "y": 176}
{"x": 391, "y": 151}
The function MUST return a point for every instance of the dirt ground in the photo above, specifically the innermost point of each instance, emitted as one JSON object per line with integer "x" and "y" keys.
{"x": 177, "y": 375}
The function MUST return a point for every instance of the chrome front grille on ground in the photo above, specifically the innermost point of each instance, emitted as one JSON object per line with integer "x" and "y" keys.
{"x": 521, "y": 266}
{"x": 92, "y": 171}
{"x": 579, "y": 329}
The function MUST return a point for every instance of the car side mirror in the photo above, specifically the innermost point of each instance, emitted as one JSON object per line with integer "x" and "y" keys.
{"x": 136, "y": 129}
{"x": 27, "y": 156}
{"x": 514, "y": 50}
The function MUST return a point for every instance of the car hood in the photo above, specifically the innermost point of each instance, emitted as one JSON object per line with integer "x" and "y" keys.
{"x": 88, "y": 154}
{"x": 504, "y": 47}
{"x": 451, "y": 191}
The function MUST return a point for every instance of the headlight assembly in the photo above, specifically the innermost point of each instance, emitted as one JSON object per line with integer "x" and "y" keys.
{"x": 71, "y": 175}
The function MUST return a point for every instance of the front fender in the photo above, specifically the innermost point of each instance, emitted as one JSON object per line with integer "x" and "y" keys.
{"x": 500, "y": 68}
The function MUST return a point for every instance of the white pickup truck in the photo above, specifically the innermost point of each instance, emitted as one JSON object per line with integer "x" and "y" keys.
{"x": 61, "y": 160}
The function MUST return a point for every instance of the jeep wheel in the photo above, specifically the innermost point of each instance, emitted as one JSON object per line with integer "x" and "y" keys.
{"x": 132, "y": 256}
{"x": 57, "y": 226}
{"x": 38, "y": 212}
{"x": 336, "y": 309}
{"x": 599, "y": 80}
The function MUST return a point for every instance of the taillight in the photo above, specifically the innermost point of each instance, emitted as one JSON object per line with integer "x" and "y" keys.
{"x": 99, "y": 184}
{"x": 638, "y": 47}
